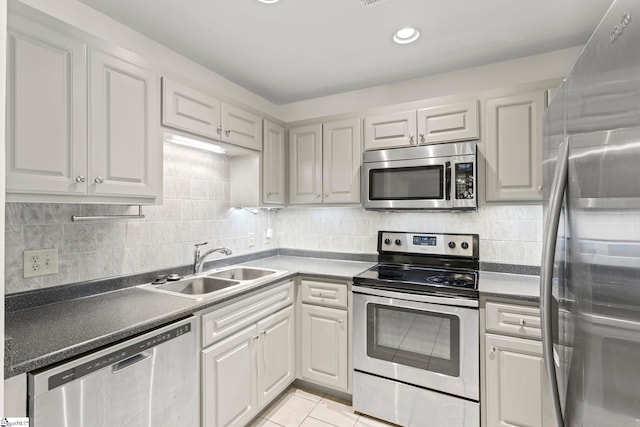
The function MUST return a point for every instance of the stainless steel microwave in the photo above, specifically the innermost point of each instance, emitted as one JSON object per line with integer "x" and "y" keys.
{"x": 438, "y": 176}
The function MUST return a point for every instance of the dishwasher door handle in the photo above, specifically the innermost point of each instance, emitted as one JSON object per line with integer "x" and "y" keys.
{"x": 117, "y": 367}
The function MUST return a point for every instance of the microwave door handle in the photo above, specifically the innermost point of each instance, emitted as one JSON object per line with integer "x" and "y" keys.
{"x": 447, "y": 174}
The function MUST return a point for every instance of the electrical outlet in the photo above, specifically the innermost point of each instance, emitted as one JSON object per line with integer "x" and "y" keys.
{"x": 40, "y": 262}
{"x": 252, "y": 239}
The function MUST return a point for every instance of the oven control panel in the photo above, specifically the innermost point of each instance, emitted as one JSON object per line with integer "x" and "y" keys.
{"x": 460, "y": 245}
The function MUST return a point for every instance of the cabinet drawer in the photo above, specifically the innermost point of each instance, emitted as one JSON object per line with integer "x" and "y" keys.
{"x": 227, "y": 320}
{"x": 512, "y": 319}
{"x": 324, "y": 293}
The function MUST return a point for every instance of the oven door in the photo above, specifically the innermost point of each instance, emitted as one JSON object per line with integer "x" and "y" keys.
{"x": 423, "y": 183}
{"x": 422, "y": 343}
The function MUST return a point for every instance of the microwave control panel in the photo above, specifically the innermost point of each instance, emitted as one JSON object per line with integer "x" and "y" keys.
{"x": 464, "y": 180}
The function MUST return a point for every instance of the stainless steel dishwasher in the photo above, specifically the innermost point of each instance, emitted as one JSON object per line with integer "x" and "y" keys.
{"x": 150, "y": 380}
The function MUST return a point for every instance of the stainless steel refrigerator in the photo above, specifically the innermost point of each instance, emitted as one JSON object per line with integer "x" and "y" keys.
{"x": 590, "y": 277}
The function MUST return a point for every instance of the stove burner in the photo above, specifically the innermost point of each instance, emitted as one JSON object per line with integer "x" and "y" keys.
{"x": 451, "y": 279}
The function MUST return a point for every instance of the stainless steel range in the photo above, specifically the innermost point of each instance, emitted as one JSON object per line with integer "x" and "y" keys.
{"x": 416, "y": 353}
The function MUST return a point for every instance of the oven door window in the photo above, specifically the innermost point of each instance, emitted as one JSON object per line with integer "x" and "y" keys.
{"x": 408, "y": 183}
{"x": 420, "y": 339}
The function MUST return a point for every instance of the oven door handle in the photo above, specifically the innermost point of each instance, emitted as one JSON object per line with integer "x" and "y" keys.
{"x": 447, "y": 179}
{"x": 450, "y": 301}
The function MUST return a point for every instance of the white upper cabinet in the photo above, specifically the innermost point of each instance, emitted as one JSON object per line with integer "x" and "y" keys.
{"x": 390, "y": 131}
{"x": 46, "y": 111}
{"x": 514, "y": 147}
{"x": 448, "y": 123}
{"x": 325, "y": 163}
{"x": 241, "y": 127}
{"x": 82, "y": 124}
{"x": 124, "y": 152}
{"x": 191, "y": 110}
{"x": 341, "y": 159}
{"x": 305, "y": 168}
{"x": 430, "y": 125}
{"x": 273, "y": 164}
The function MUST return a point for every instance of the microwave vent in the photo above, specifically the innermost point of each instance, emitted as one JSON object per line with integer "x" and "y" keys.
{"x": 367, "y": 4}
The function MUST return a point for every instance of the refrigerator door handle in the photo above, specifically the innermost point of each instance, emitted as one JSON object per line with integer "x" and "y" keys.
{"x": 558, "y": 187}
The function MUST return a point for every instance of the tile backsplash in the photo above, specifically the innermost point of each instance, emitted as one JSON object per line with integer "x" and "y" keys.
{"x": 508, "y": 234}
{"x": 196, "y": 208}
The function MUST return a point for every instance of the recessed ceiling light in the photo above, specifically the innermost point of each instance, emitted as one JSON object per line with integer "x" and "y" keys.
{"x": 406, "y": 35}
{"x": 268, "y": 1}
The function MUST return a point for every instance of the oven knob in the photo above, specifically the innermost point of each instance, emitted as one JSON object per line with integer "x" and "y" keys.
{"x": 398, "y": 242}
{"x": 387, "y": 241}
{"x": 452, "y": 245}
{"x": 464, "y": 245}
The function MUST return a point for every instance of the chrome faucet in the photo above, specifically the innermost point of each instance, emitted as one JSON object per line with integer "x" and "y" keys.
{"x": 198, "y": 260}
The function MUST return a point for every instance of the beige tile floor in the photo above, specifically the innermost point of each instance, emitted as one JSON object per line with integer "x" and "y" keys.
{"x": 306, "y": 408}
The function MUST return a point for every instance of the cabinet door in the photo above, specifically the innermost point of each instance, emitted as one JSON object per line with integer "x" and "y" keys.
{"x": 390, "y": 130}
{"x": 241, "y": 127}
{"x": 273, "y": 164}
{"x": 341, "y": 159}
{"x": 516, "y": 384}
{"x": 229, "y": 396}
{"x": 305, "y": 164}
{"x": 276, "y": 355}
{"x": 448, "y": 123}
{"x": 324, "y": 351}
{"x": 125, "y": 155}
{"x": 190, "y": 110}
{"x": 46, "y": 111}
{"x": 514, "y": 147}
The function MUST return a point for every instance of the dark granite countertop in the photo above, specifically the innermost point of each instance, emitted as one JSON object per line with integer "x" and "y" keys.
{"x": 47, "y": 334}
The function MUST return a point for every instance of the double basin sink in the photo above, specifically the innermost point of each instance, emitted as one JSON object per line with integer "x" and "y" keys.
{"x": 212, "y": 283}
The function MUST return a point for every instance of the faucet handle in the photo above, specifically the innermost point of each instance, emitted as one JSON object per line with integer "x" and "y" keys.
{"x": 197, "y": 245}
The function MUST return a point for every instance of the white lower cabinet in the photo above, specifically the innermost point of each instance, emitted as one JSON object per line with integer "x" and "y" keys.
{"x": 324, "y": 346}
{"x": 229, "y": 372}
{"x": 516, "y": 387}
{"x": 323, "y": 343}
{"x": 243, "y": 372}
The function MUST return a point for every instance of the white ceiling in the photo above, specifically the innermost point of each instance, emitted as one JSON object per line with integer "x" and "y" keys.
{"x": 300, "y": 49}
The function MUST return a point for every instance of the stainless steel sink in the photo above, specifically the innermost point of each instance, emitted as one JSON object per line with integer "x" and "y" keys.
{"x": 198, "y": 285}
{"x": 242, "y": 273}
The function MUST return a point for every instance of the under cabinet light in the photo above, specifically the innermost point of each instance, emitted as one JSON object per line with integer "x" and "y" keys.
{"x": 194, "y": 143}
{"x": 268, "y": 1}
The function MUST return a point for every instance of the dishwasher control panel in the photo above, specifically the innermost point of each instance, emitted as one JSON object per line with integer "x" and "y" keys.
{"x": 120, "y": 359}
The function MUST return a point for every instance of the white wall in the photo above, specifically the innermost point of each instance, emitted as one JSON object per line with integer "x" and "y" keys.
{"x": 551, "y": 65}
{"x": 3, "y": 68}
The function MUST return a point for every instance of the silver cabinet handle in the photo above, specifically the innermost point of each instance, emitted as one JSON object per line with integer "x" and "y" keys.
{"x": 228, "y": 132}
{"x": 269, "y": 194}
{"x": 492, "y": 348}
{"x": 99, "y": 180}
{"x": 219, "y": 130}
{"x": 540, "y": 188}
{"x": 255, "y": 337}
{"x": 341, "y": 322}
{"x": 326, "y": 195}
{"x": 522, "y": 322}
{"x": 80, "y": 179}
{"x": 317, "y": 195}
{"x": 411, "y": 139}
{"x": 422, "y": 137}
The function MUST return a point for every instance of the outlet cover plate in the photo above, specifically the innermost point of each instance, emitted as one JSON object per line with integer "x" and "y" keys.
{"x": 40, "y": 262}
